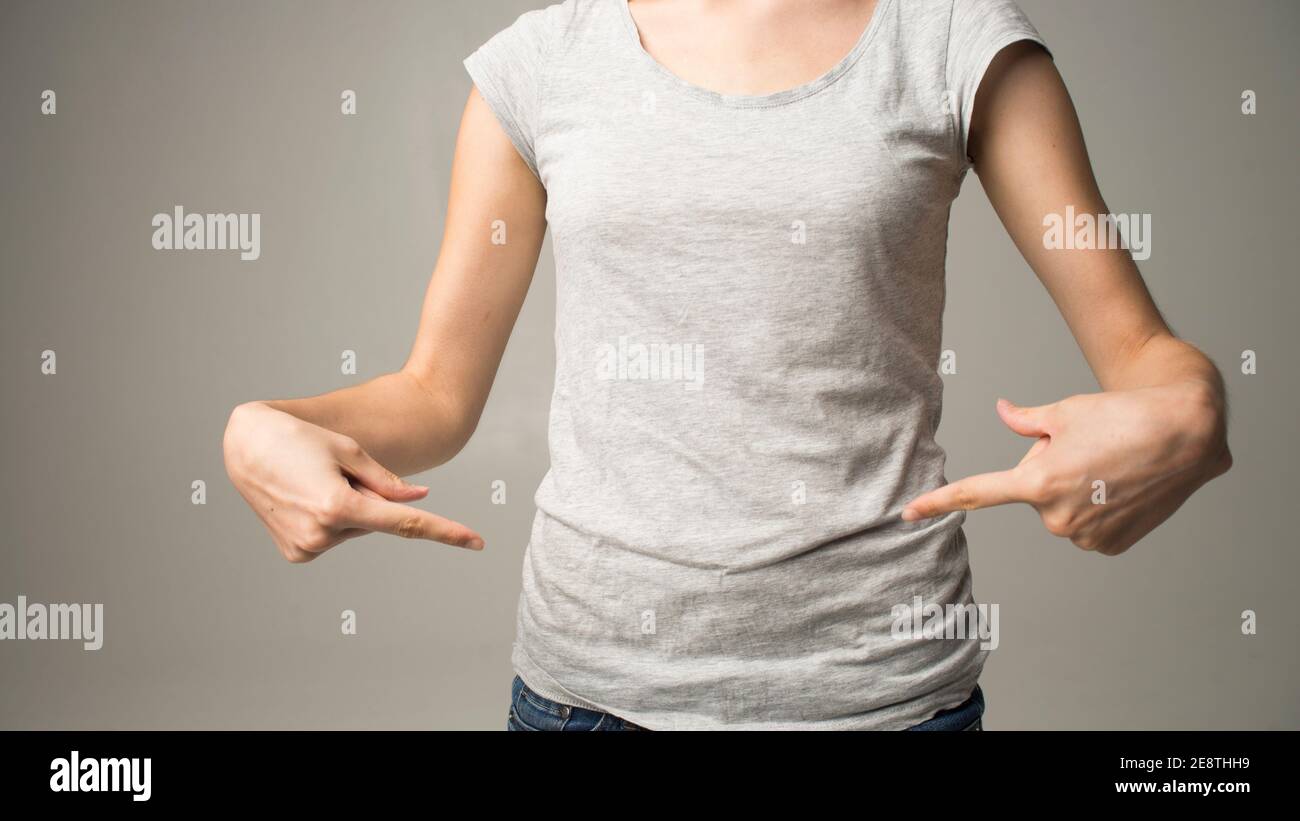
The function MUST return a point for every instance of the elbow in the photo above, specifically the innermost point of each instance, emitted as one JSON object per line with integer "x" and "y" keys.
{"x": 453, "y": 414}
{"x": 459, "y": 428}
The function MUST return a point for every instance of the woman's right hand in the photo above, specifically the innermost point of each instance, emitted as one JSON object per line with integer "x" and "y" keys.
{"x": 314, "y": 488}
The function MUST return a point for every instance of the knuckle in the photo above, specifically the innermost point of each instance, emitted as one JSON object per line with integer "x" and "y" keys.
{"x": 333, "y": 508}
{"x": 1106, "y": 546}
{"x": 1225, "y": 461}
{"x": 409, "y": 527}
{"x": 1203, "y": 441}
{"x": 1038, "y": 485}
{"x": 1202, "y": 424}
{"x": 1202, "y": 398}
{"x": 314, "y": 540}
{"x": 1059, "y": 523}
{"x": 295, "y": 556}
{"x": 962, "y": 498}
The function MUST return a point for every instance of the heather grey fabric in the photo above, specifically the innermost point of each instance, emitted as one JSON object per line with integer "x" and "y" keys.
{"x": 750, "y": 295}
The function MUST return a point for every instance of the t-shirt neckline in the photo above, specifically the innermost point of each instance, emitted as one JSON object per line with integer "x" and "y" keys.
{"x": 770, "y": 99}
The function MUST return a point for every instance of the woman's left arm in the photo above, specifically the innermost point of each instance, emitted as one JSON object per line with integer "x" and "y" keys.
{"x": 1106, "y": 468}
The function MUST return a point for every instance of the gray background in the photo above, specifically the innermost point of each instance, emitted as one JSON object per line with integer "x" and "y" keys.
{"x": 234, "y": 107}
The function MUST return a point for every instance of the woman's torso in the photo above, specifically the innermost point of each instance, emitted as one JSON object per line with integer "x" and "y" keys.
{"x": 749, "y": 305}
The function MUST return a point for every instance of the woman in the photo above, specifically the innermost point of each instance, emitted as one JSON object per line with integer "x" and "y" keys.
{"x": 749, "y": 206}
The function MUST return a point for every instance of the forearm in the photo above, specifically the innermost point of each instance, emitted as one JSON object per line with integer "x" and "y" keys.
{"x": 404, "y": 424}
{"x": 1031, "y": 159}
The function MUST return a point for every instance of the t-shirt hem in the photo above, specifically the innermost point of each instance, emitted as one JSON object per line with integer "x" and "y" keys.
{"x": 898, "y": 716}
{"x": 540, "y": 682}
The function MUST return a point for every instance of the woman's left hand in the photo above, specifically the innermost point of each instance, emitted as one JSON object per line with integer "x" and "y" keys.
{"x": 1107, "y": 468}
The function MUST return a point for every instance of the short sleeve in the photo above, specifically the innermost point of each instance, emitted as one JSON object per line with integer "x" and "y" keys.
{"x": 978, "y": 30}
{"x": 509, "y": 71}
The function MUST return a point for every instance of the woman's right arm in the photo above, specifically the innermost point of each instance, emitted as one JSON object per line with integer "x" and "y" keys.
{"x": 321, "y": 470}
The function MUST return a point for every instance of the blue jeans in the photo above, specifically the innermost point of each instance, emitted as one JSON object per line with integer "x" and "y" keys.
{"x": 529, "y": 711}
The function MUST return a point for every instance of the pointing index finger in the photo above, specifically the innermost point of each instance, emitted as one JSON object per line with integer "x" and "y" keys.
{"x": 982, "y": 490}
{"x": 409, "y": 522}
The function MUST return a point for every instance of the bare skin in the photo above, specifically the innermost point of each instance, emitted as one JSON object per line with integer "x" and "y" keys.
{"x": 325, "y": 469}
{"x": 296, "y": 461}
{"x": 759, "y": 47}
{"x": 1157, "y": 431}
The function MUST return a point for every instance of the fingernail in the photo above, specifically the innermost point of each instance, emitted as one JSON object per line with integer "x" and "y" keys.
{"x": 910, "y": 515}
{"x": 475, "y": 544}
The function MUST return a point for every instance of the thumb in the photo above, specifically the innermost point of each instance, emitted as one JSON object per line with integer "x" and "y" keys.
{"x": 369, "y": 474}
{"x": 1024, "y": 421}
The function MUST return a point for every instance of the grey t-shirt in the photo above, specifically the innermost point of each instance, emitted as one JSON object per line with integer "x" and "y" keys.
{"x": 750, "y": 294}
